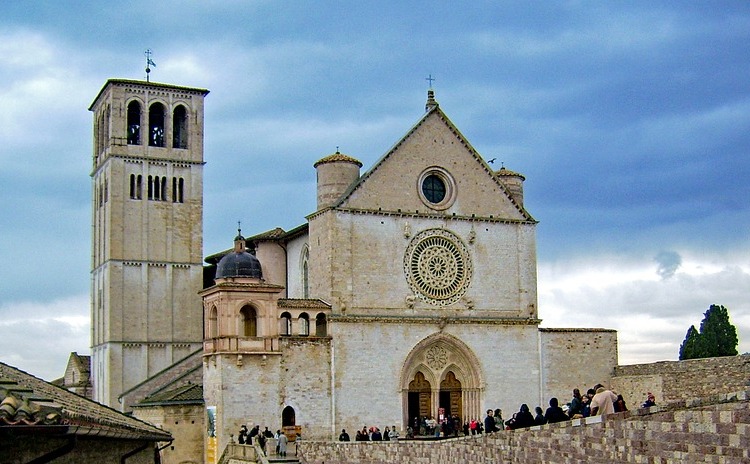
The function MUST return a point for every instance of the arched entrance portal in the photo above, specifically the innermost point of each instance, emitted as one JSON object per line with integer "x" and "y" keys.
{"x": 420, "y": 397}
{"x": 450, "y": 396}
{"x": 441, "y": 374}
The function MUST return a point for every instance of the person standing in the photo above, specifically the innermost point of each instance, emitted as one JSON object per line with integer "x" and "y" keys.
{"x": 283, "y": 440}
{"x": 489, "y": 422}
{"x": 603, "y": 402}
{"x": 344, "y": 436}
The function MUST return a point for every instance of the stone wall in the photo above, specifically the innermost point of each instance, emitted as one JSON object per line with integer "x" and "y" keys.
{"x": 673, "y": 381}
{"x": 713, "y": 430}
{"x": 575, "y": 358}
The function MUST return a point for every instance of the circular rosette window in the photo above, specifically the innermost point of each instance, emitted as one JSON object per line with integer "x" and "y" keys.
{"x": 437, "y": 267}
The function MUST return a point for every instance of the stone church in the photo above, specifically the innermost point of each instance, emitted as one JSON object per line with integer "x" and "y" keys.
{"x": 410, "y": 291}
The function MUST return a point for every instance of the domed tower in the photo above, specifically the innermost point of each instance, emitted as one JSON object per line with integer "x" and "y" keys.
{"x": 513, "y": 181}
{"x": 336, "y": 173}
{"x": 239, "y": 263}
{"x": 241, "y": 342}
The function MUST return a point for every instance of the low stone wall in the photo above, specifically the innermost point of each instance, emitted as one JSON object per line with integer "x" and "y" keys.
{"x": 673, "y": 381}
{"x": 711, "y": 430}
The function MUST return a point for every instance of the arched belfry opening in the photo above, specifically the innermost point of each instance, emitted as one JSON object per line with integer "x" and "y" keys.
{"x": 441, "y": 374}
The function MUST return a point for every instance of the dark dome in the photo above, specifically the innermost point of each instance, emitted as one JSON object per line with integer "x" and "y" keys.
{"x": 238, "y": 264}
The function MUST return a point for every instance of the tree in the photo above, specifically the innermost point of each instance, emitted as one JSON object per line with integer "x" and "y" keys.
{"x": 690, "y": 345}
{"x": 717, "y": 337}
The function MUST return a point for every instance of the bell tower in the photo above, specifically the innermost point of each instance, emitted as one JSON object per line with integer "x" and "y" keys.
{"x": 146, "y": 232}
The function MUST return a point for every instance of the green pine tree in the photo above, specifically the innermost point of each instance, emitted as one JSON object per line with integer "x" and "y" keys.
{"x": 690, "y": 345}
{"x": 717, "y": 337}
{"x": 720, "y": 336}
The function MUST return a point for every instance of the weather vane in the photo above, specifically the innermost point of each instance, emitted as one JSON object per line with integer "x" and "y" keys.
{"x": 149, "y": 63}
{"x": 429, "y": 79}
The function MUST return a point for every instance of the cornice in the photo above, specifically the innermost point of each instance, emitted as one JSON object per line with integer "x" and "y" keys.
{"x": 440, "y": 320}
{"x": 423, "y": 215}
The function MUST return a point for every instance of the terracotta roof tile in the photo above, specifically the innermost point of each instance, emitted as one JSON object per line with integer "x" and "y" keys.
{"x": 336, "y": 157}
{"x": 300, "y": 303}
{"x": 28, "y": 400}
{"x": 189, "y": 393}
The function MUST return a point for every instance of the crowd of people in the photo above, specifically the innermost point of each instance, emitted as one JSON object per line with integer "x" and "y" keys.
{"x": 597, "y": 401}
{"x": 254, "y": 435}
{"x": 372, "y": 434}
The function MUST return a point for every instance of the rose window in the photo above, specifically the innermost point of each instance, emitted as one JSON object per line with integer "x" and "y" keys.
{"x": 437, "y": 267}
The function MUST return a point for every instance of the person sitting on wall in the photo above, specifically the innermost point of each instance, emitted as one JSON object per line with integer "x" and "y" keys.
{"x": 650, "y": 401}
{"x": 575, "y": 407}
{"x": 344, "y": 436}
{"x": 521, "y": 419}
{"x": 539, "y": 418}
{"x": 620, "y": 405}
{"x": 555, "y": 413}
{"x": 603, "y": 402}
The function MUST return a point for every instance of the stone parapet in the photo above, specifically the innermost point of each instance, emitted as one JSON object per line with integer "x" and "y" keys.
{"x": 679, "y": 381}
{"x": 714, "y": 429}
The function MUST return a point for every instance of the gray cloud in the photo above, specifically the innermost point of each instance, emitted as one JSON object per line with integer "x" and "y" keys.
{"x": 669, "y": 262}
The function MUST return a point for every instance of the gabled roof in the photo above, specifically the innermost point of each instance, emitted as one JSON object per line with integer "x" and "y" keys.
{"x": 433, "y": 110}
{"x": 190, "y": 393}
{"x": 28, "y": 403}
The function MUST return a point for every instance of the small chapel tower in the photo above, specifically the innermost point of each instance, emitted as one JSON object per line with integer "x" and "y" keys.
{"x": 147, "y": 239}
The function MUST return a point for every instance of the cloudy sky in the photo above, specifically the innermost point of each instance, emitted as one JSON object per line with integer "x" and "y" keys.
{"x": 630, "y": 121}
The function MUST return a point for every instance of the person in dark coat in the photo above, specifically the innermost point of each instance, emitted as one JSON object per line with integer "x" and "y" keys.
{"x": 521, "y": 419}
{"x": 539, "y": 418}
{"x": 555, "y": 413}
{"x": 489, "y": 422}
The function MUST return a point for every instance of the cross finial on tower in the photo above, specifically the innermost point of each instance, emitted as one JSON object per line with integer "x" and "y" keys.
{"x": 149, "y": 62}
{"x": 239, "y": 228}
{"x": 429, "y": 79}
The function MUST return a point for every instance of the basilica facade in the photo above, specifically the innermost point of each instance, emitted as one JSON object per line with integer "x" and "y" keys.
{"x": 410, "y": 291}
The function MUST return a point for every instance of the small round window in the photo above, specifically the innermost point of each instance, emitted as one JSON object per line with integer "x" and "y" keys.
{"x": 436, "y": 188}
{"x": 433, "y": 188}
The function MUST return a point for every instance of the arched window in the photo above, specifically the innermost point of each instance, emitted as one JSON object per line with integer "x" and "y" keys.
{"x": 138, "y": 186}
{"x": 249, "y": 321}
{"x": 321, "y": 325}
{"x": 156, "y": 125}
{"x": 305, "y": 274}
{"x": 213, "y": 323}
{"x": 163, "y": 188}
{"x": 180, "y": 127}
{"x": 285, "y": 324}
{"x": 134, "y": 123}
{"x": 150, "y": 188}
{"x": 304, "y": 324}
{"x": 177, "y": 193}
{"x": 132, "y": 186}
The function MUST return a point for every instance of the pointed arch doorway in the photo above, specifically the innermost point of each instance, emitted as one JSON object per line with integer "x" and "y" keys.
{"x": 450, "y": 396}
{"x": 419, "y": 397}
{"x": 441, "y": 373}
